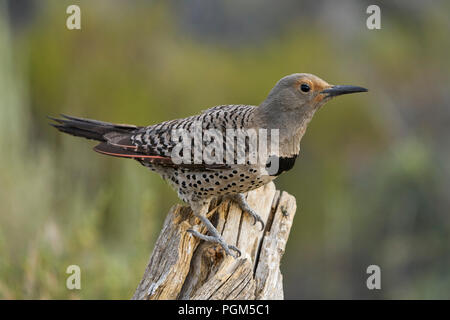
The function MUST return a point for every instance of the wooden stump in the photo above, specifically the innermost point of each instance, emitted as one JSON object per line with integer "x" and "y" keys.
{"x": 183, "y": 267}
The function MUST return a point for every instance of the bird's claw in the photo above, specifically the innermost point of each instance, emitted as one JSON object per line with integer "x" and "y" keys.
{"x": 257, "y": 218}
{"x": 242, "y": 202}
{"x": 226, "y": 247}
{"x": 227, "y": 250}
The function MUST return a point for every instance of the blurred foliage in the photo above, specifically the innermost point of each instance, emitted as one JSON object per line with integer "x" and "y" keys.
{"x": 371, "y": 183}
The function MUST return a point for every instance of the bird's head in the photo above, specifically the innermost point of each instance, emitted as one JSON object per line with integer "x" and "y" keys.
{"x": 291, "y": 104}
{"x": 306, "y": 92}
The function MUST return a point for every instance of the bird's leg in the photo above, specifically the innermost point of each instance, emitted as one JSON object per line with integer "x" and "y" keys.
{"x": 239, "y": 198}
{"x": 201, "y": 212}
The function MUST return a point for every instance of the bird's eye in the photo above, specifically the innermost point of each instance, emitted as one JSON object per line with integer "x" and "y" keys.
{"x": 305, "y": 87}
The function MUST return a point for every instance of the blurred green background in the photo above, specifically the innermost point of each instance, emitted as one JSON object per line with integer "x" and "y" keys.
{"x": 372, "y": 182}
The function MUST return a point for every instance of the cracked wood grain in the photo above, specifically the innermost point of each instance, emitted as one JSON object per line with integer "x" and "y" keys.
{"x": 182, "y": 267}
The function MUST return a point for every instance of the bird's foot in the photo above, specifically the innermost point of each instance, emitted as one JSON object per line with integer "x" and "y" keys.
{"x": 219, "y": 240}
{"x": 256, "y": 218}
{"x": 243, "y": 204}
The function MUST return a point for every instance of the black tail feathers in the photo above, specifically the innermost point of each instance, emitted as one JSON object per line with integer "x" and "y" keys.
{"x": 89, "y": 129}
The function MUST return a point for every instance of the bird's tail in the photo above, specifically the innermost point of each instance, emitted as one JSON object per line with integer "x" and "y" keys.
{"x": 89, "y": 129}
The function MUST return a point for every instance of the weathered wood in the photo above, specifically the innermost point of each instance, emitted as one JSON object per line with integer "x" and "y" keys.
{"x": 182, "y": 267}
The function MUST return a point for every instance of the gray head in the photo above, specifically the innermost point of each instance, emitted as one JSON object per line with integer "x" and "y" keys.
{"x": 305, "y": 92}
{"x": 292, "y": 103}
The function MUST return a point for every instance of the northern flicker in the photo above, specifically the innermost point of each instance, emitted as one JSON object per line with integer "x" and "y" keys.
{"x": 288, "y": 108}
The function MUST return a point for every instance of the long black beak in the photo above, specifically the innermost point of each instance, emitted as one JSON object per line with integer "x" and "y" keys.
{"x": 339, "y": 90}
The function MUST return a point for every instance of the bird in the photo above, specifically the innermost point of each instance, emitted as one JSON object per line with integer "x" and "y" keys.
{"x": 288, "y": 109}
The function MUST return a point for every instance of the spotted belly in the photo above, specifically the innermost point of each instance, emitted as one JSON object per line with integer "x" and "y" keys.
{"x": 192, "y": 185}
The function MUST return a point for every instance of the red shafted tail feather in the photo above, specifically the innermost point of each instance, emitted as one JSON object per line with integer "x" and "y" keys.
{"x": 122, "y": 152}
{"x": 117, "y": 151}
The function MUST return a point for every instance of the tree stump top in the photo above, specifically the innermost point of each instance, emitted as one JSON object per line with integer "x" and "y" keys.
{"x": 183, "y": 267}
